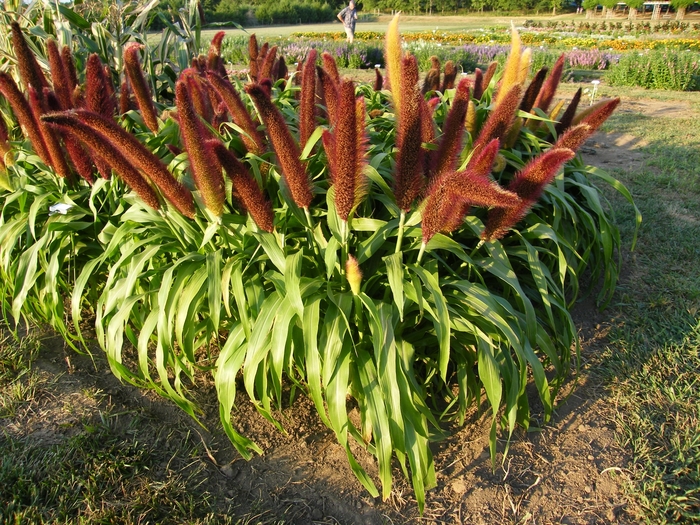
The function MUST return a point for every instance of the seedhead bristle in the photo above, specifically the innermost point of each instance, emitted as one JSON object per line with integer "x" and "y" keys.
{"x": 549, "y": 88}
{"x": 307, "y": 105}
{"x": 206, "y": 170}
{"x": 511, "y": 72}
{"x": 286, "y": 149}
{"x": 139, "y": 86}
{"x": 393, "y": 61}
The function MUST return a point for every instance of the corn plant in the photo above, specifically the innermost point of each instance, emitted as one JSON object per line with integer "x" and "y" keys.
{"x": 412, "y": 246}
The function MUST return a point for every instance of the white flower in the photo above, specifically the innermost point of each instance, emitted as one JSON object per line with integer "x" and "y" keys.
{"x": 59, "y": 207}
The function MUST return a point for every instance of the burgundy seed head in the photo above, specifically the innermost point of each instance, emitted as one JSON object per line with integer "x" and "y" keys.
{"x": 307, "y": 104}
{"x": 449, "y": 76}
{"x": 533, "y": 90}
{"x": 408, "y": 178}
{"x": 453, "y": 130}
{"x": 247, "y": 189}
{"x": 500, "y": 119}
{"x": 139, "y": 86}
{"x": 206, "y": 170}
{"x": 253, "y": 140}
{"x": 29, "y": 70}
{"x": 137, "y": 154}
{"x": 568, "y": 116}
{"x": 331, "y": 67}
{"x": 549, "y": 88}
{"x": 61, "y": 84}
{"x": 101, "y": 146}
{"x": 286, "y": 149}
{"x": 25, "y": 116}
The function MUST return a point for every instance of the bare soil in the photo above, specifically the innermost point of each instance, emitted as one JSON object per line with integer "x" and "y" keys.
{"x": 572, "y": 471}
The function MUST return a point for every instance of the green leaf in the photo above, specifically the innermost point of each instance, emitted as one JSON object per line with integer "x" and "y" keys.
{"x": 441, "y": 321}
{"x": 292, "y": 277}
{"x": 394, "y": 268}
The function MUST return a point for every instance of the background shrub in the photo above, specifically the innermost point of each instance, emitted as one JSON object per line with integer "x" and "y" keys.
{"x": 657, "y": 69}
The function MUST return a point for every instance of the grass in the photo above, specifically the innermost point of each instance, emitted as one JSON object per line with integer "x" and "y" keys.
{"x": 653, "y": 359}
{"x": 107, "y": 468}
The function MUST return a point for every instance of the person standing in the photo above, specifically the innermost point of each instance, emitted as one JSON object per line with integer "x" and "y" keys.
{"x": 348, "y": 16}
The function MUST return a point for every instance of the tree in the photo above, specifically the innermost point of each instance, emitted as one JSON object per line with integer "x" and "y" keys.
{"x": 634, "y": 6}
{"x": 680, "y": 6}
{"x": 589, "y": 6}
{"x": 609, "y": 5}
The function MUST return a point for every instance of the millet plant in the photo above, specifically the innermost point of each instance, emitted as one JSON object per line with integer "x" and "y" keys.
{"x": 404, "y": 248}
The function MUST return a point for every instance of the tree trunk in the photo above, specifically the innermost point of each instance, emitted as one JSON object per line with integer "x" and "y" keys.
{"x": 554, "y": 11}
{"x": 633, "y": 13}
{"x": 656, "y": 13}
{"x": 589, "y": 13}
{"x": 680, "y": 13}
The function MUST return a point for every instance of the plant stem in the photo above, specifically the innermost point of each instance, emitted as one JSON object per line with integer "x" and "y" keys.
{"x": 399, "y": 240}
{"x": 310, "y": 233}
{"x": 343, "y": 247}
{"x": 420, "y": 253}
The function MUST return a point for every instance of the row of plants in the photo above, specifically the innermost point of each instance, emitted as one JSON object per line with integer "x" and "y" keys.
{"x": 405, "y": 251}
{"x": 528, "y": 38}
{"x": 657, "y": 69}
{"x": 633, "y": 28}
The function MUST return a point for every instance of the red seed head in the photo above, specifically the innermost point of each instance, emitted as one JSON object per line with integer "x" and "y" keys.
{"x": 61, "y": 84}
{"x": 449, "y": 76}
{"x": 549, "y": 88}
{"x": 247, "y": 189}
{"x": 286, "y": 149}
{"x": 307, "y": 105}
{"x": 253, "y": 139}
{"x": 568, "y": 116}
{"x": 102, "y": 147}
{"x": 533, "y": 90}
{"x": 29, "y": 70}
{"x": 453, "y": 130}
{"x": 206, "y": 170}
{"x": 25, "y": 116}
{"x": 137, "y": 154}
{"x": 500, "y": 119}
{"x": 139, "y": 86}
{"x": 99, "y": 95}
{"x": 408, "y": 178}
{"x": 330, "y": 66}
{"x": 345, "y": 151}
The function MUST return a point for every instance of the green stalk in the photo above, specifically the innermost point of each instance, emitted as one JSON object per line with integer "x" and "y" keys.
{"x": 343, "y": 247}
{"x": 420, "y": 253}
{"x": 310, "y": 233}
{"x": 399, "y": 240}
{"x": 359, "y": 318}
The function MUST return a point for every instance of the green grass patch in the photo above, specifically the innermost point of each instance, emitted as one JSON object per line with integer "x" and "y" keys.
{"x": 653, "y": 361}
